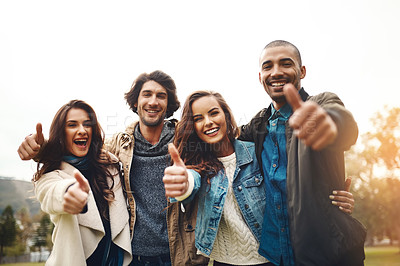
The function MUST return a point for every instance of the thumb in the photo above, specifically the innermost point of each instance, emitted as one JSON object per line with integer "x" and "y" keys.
{"x": 83, "y": 183}
{"x": 175, "y": 155}
{"x": 292, "y": 96}
{"x": 39, "y": 134}
{"x": 347, "y": 184}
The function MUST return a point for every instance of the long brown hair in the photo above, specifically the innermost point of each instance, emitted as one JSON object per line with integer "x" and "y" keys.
{"x": 195, "y": 153}
{"x": 52, "y": 154}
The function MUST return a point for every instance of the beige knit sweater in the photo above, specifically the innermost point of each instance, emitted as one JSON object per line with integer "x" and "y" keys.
{"x": 235, "y": 243}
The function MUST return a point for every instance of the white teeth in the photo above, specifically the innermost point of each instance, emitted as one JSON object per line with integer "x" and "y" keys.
{"x": 152, "y": 111}
{"x": 211, "y": 131}
{"x": 277, "y": 84}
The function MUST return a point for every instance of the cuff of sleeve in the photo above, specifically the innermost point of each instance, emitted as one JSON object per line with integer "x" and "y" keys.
{"x": 190, "y": 188}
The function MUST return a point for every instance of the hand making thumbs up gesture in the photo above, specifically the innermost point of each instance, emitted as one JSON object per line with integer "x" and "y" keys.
{"x": 76, "y": 196}
{"x": 311, "y": 122}
{"x": 30, "y": 147}
{"x": 175, "y": 177}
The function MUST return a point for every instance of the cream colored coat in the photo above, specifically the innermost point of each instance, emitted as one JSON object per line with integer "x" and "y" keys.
{"x": 76, "y": 237}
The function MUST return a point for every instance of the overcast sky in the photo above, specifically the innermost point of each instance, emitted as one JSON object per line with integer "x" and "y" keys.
{"x": 55, "y": 51}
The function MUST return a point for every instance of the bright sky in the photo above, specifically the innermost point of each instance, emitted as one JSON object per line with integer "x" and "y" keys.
{"x": 55, "y": 51}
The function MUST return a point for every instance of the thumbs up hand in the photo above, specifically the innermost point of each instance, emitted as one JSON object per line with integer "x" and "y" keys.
{"x": 76, "y": 195}
{"x": 30, "y": 147}
{"x": 311, "y": 122}
{"x": 175, "y": 177}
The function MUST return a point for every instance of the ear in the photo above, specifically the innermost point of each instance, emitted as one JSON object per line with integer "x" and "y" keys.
{"x": 303, "y": 72}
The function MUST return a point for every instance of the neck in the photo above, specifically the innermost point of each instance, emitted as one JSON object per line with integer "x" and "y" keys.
{"x": 151, "y": 133}
{"x": 223, "y": 149}
{"x": 277, "y": 105}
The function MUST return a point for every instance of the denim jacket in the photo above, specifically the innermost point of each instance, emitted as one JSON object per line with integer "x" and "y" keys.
{"x": 248, "y": 187}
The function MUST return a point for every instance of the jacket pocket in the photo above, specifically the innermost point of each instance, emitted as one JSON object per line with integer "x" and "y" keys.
{"x": 255, "y": 186}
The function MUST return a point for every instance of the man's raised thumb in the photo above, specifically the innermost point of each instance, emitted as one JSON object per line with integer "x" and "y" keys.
{"x": 39, "y": 134}
{"x": 175, "y": 155}
{"x": 292, "y": 96}
{"x": 83, "y": 183}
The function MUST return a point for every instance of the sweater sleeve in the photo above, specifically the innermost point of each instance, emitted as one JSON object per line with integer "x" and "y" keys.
{"x": 50, "y": 190}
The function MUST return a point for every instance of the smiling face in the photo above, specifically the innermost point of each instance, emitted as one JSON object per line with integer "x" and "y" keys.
{"x": 210, "y": 124}
{"x": 280, "y": 65}
{"x": 152, "y": 104}
{"x": 78, "y": 132}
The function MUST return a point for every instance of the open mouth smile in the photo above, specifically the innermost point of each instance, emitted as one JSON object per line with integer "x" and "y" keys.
{"x": 81, "y": 142}
{"x": 211, "y": 132}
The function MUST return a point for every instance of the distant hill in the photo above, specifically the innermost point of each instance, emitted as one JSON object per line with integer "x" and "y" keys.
{"x": 18, "y": 194}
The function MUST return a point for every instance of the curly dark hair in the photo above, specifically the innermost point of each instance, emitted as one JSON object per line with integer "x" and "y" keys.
{"x": 161, "y": 78}
{"x": 53, "y": 151}
{"x": 195, "y": 153}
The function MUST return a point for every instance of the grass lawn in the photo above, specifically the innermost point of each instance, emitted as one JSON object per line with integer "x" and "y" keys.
{"x": 375, "y": 256}
{"x": 25, "y": 264}
{"x": 382, "y": 256}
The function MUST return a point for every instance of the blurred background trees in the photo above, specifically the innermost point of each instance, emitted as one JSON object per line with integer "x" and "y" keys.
{"x": 374, "y": 165}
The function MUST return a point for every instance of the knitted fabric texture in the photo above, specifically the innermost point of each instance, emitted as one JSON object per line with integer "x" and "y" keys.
{"x": 235, "y": 243}
{"x": 150, "y": 237}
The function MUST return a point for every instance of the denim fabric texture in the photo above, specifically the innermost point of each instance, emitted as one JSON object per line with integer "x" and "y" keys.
{"x": 275, "y": 241}
{"x": 249, "y": 189}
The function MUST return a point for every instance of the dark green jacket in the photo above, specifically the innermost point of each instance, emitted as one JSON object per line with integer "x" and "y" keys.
{"x": 320, "y": 233}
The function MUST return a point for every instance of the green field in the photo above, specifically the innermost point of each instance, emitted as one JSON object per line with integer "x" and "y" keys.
{"x": 382, "y": 256}
{"x": 375, "y": 256}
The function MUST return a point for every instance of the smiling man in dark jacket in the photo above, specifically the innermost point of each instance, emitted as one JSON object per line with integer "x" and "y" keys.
{"x": 300, "y": 142}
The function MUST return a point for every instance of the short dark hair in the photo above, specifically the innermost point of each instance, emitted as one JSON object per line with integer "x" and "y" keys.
{"x": 161, "y": 78}
{"x": 278, "y": 43}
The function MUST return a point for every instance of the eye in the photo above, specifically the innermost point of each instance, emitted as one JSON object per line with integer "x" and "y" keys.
{"x": 214, "y": 113}
{"x": 71, "y": 124}
{"x": 162, "y": 96}
{"x": 87, "y": 124}
{"x": 197, "y": 119}
{"x": 267, "y": 67}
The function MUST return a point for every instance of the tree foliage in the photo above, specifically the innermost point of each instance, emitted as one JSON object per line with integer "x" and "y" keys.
{"x": 374, "y": 165}
{"x": 8, "y": 229}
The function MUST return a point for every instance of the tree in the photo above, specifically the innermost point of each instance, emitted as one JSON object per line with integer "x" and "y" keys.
{"x": 374, "y": 164}
{"x": 8, "y": 229}
{"x": 43, "y": 232}
{"x": 24, "y": 230}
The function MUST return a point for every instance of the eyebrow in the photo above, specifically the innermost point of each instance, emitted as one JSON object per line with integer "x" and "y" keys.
{"x": 280, "y": 60}
{"x": 147, "y": 91}
{"x": 211, "y": 110}
{"x": 75, "y": 121}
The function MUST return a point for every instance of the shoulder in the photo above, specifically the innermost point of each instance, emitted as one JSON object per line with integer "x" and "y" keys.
{"x": 130, "y": 128}
{"x": 326, "y": 98}
{"x": 244, "y": 144}
{"x": 244, "y": 149}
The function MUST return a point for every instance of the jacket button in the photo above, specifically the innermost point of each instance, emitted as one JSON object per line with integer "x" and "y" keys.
{"x": 189, "y": 227}
{"x": 240, "y": 188}
{"x": 257, "y": 180}
{"x": 246, "y": 206}
{"x": 256, "y": 225}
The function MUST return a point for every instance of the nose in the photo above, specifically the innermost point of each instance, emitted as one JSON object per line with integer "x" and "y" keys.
{"x": 153, "y": 100}
{"x": 207, "y": 121}
{"x": 81, "y": 130}
{"x": 276, "y": 71}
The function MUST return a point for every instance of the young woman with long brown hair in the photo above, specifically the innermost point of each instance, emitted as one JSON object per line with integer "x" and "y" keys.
{"x": 78, "y": 184}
